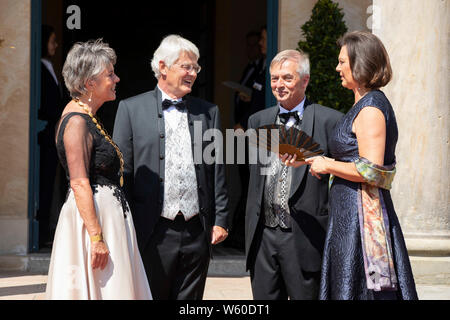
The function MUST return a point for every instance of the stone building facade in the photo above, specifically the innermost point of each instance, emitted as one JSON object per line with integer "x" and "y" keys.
{"x": 416, "y": 35}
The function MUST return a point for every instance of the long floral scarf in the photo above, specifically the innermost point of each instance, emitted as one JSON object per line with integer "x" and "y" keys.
{"x": 374, "y": 225}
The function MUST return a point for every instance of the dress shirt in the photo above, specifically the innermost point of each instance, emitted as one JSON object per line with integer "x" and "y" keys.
{"x": 171, "y": 115}
{"x": 49, "y": 67}
{"x": 299, "y": 108}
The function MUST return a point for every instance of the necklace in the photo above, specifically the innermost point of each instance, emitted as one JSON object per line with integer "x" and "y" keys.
{"x": 105, "y": 134}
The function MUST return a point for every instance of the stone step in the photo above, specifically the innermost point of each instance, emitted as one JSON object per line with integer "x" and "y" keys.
{"x": 227, "y": 262}
{"x": 228, "y": 266}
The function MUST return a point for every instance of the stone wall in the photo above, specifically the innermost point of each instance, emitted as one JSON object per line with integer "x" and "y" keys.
{"x": 15, "y": 17}
{"x": 293, "y": 14}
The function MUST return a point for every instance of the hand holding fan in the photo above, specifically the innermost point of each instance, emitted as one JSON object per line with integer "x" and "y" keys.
{"x": 291, "y": 141}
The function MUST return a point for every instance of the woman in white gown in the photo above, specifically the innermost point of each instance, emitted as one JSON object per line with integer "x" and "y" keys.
{"x": 95, "y": 253}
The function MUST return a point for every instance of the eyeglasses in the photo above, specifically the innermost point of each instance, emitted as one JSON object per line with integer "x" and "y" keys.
{"x": 189, "y": 67}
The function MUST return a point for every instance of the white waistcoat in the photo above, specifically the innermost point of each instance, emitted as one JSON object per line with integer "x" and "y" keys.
{"x": 180, "y": 188}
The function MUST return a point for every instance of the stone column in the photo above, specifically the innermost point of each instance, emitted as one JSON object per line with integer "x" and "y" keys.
{"x": 292, "y": 15}
{"x": 416, "y": 36}
{"x": 15, "y": 17}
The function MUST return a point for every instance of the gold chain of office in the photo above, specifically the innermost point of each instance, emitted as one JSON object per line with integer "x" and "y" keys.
{"x": 105, "y": 134}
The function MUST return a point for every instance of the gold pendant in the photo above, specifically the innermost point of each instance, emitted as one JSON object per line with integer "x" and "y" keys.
{"x": 121, "y": 181}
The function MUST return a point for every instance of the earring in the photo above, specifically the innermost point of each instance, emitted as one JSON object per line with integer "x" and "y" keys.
{"x": 90, "y": 97}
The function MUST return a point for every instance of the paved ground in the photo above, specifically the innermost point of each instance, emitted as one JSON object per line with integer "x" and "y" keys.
{"x": 25, "y": 286}
{"x": 21, "y": 286}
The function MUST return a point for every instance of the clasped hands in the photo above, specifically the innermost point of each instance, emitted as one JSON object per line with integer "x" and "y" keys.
{"x": 318, "y": 164}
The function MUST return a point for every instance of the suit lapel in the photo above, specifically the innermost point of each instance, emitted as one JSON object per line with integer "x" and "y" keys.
{"x": 308, "y": 118}
{"x": 307, "y": 127}
{"x": 156, "y": 116}
{"x": 191, "y": 117}
{"x": 158, "y": 98}
{"x": 272, "y": 116}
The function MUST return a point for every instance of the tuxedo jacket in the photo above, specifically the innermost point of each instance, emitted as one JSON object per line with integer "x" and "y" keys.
{"x": 139, "y": 132}
{"x": 308, "y": 198}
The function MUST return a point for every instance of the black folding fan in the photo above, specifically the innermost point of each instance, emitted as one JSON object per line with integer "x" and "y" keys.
{"x": 291, "y": 141}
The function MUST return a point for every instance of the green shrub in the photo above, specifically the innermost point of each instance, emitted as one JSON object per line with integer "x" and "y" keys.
{"x": 321, "y": 32}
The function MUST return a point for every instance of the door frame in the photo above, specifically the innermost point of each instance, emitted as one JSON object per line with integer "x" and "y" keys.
{"x": 272, "y": 45}
{"x": 35, "y": 100}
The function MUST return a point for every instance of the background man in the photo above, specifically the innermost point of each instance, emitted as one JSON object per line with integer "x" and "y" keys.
{"x": 242, "y": 105}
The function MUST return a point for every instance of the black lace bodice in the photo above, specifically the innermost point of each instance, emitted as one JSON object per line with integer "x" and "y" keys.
{"x": 85, "y": 153}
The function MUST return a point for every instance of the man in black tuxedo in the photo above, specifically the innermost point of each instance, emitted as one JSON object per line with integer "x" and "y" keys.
{"x": 179, "y": 204}
{"x": 287, "y": 208}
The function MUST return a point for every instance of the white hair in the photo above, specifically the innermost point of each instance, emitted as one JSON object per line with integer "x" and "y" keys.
{"x": 169, "y": 51}
{"x": 300, "y": 57}
{"x": 85, "y": 61}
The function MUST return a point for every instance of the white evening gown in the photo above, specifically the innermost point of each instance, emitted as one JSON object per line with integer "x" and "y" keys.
{"x": 70, "y": 273}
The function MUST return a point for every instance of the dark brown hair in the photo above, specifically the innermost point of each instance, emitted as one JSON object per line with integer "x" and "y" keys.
{"x": 46, "y": 32}
{"x": 369, "y": 60}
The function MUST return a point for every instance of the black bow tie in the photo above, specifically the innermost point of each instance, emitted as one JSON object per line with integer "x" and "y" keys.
{"x": 284, "y": 117}
{"x": 181, "y": 105}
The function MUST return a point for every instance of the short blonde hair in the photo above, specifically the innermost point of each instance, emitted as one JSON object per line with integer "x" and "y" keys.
{"x": 169, "y": 51}
{"x": 85, "y": 61}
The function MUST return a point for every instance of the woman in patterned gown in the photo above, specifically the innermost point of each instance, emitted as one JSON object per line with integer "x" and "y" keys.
{"x": 95, "y": 253}
{"x": 365, "y": 256}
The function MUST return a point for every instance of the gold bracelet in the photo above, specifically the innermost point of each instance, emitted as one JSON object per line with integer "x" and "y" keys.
{"x": 96, "y": 238}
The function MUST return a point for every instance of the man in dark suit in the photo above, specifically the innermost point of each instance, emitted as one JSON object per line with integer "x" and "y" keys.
{"x": 287, "y": 208}
{"x": 258, "y": 85}
{"x": 245, "y": 107}
{"x": 53, "y": 100}
{"x": 179, "y": 204}
{"x": 255, "y": 63}
{"x": 242, "y": 105}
